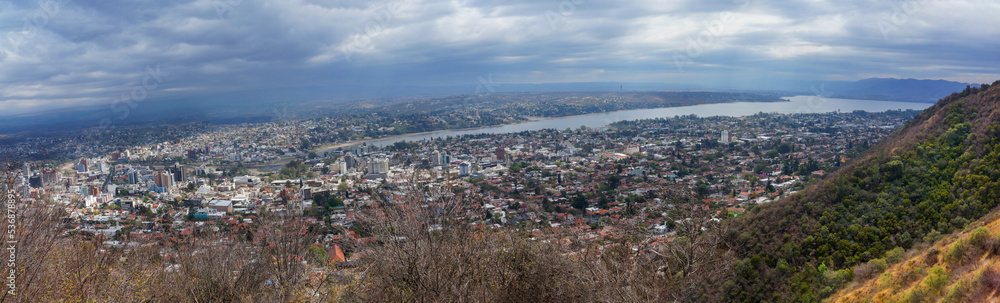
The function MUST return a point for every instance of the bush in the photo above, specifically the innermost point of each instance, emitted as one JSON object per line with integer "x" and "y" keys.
{"x": 995, "y": 246}
{"x": 868, "y": 270}
{"x": 931, "y": 257}
{"x": 956, "y": 293}
{"x": 937, "y": 279}
{"x": 986, "y": 283}
{"x": 932, "y": 236}
{"x": 865, "y": 271}
{"x": 880, "y": 264}
{"x": 915, "y": 295}
{"x": 895, "y": 255}
{"x": 839, "y": 277}
{"x": 459, "y": 263}
{"x": 957, "y": 252}
{"x": 980, "y": 238}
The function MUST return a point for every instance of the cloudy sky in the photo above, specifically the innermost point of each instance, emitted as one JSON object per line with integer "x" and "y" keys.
{"x": 65, "y": 53}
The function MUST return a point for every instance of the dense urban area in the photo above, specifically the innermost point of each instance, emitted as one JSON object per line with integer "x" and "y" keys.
{"x": 549, "y": 184}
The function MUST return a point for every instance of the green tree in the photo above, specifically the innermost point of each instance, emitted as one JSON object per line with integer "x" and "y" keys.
{"x": 580, "y": 202}
{"x": 317, "y": 255}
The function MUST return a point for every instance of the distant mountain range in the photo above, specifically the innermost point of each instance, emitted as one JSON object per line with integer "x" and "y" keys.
{"x": 912, "y": 90}
{"x": 256, "y": 105}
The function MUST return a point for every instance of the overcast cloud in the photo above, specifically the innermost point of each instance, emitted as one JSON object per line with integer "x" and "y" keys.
{"x": 72, "y": 52}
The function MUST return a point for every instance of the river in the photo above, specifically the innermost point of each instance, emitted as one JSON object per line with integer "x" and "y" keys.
{"x": 797, "y": 104}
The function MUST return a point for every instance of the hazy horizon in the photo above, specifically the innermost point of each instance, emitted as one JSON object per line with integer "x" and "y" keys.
{"x": 66, "y": 54}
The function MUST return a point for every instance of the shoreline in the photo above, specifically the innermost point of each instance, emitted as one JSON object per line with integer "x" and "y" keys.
{"x": 328, "y": 147}
{"x": 782, "y": 99}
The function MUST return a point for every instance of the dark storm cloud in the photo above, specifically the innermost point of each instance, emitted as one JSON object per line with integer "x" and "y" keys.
{"x": 74, "y": 53}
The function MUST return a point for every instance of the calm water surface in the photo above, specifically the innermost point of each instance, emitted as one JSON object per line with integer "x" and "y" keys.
{"x": 797, "y": 104}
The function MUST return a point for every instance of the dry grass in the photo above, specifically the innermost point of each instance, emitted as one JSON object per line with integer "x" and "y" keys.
{"x": 962, "y": 267}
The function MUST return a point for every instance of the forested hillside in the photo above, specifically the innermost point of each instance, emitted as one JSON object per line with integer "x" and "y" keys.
{"x": 933, "y": 177}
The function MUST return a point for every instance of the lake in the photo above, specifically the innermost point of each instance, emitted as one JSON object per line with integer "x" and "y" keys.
{"x": 794, "y": 105}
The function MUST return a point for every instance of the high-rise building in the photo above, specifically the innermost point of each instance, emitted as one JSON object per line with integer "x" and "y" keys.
{"x": 351, "y": 161}
{"x": 35, "y": 181}
{"x": 49, "y": 177}
{"x": 177, "y": 171}
{"x": 725, "y": 137}
{"x": 163, "y": 179}
{"x": 464, "y": 169}
{"x": 501, "y": 154}
{"x": 133, "y": 177}
{"x": 378, "y": 166}
{"x": 436, "y": 159}
{"x": 445, "y": 160}
{"x": 157, "y": 179}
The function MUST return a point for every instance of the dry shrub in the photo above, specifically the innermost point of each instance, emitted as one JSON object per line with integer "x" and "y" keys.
{"x": 931, "y": 257}
{"x": 423, "y": 254}
{"x": 911, "y": 274}
{"x": 865, "y": 271}
{"x": 464, "y": 265}
{"x": 430, "y": 254}
{"x": 268, "y": 270}
{"x": 425, "y": 251}
{"x": 62, "y": 267}
{"x": 220, "y": 274}
{"x": 52, "y": 266}
{"x": 986, "y": 285}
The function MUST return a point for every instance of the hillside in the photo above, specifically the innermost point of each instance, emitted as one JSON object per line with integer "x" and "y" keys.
{"x": 962, "y": 267}
{"x": 934, "y": 176}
